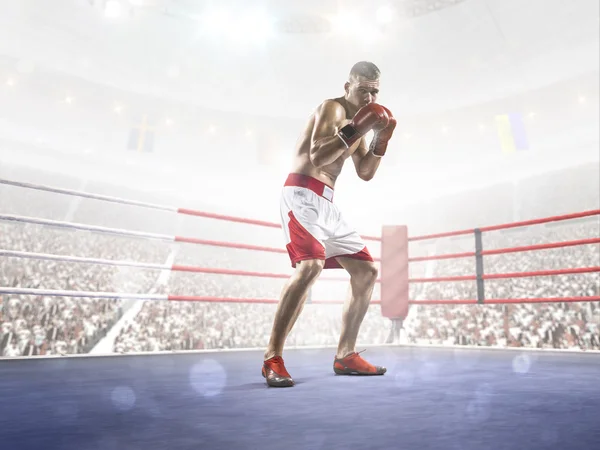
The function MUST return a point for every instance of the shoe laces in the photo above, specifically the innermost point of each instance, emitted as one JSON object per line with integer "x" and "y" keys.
{"x": 359, "y": 362}
{"x": 355, "y": 354}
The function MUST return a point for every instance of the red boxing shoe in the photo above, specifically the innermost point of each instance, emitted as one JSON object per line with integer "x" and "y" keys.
{"x": 353, "y": 364}
{"x": 275, "y": 373}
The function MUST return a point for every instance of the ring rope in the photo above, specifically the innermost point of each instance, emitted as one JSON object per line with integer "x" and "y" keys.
{"x": 169, "y": 238}
{"x": 505, "y": 301}
{"x": 220, "y": 271}
{"x": 123, "y": 201}
{"x": 174, "y": 267}
{"x": 153, "y": 297}
{"x": 137, "y": 234}
{"x": 499, "y": 251}
{"x": 106, "y": 198}
{"x": 506, "y": 226}
{"x": 497, "y": 276}
{"x": 210, "y": 299}
{"x": 205, "y": 214}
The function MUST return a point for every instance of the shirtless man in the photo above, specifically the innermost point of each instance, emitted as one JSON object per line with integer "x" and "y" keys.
{"x": 317, "y": 236}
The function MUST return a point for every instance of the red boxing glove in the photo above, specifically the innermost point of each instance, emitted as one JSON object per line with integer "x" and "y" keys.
{"x": 381, "y": 138}
{"x": 369, "y": 117}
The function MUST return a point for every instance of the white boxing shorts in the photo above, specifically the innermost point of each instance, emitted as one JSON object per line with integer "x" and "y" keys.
{"x": 314, "y": 227}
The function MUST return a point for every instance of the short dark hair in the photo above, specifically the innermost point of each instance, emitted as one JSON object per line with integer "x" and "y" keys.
{"x": 365, "y": 69}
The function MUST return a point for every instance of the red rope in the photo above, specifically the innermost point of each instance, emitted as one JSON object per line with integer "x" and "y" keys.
{"x": 540, "y": 273}
{"x": 262, "y": 223}
{"x": 492, "y": 276}
{"x": 527, "y": 248}
{"x": 504, "y": 301}
{"x": 499, "y": 251}
{"x": 217, "y": 271}
{"x": 447, "y": 256}
{"x": 244, "y": 273}
{"x": 492, "y": 301}
{"x": 525, "y": 223}
{"x": 193, "y": 212}
{"x": 371, "y": 238}
{"x": 229, "y": 244}
{"x": 506, "y": 226}
{"x": 207, "y": 299}
{"x": 441, "y": 279}
{"x": 190, "y": 240}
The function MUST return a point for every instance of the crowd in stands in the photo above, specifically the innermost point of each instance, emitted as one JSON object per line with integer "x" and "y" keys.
{"x": 558, "y": 325}
{"x": 46, "y": 325}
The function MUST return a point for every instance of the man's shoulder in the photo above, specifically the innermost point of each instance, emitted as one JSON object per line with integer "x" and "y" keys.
{"x": 332, "y": 106}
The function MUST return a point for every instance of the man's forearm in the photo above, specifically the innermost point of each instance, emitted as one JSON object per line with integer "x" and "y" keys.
{"x": 368, "y": 166}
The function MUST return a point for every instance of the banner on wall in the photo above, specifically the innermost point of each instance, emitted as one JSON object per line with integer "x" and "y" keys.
{"x": 512, "y": 132}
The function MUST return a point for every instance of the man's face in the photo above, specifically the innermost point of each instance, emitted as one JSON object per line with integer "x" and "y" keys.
{"x": 361, "y": 91}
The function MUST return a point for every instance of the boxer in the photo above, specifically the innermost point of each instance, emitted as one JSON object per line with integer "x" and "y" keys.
{"x": 316, "y": 234}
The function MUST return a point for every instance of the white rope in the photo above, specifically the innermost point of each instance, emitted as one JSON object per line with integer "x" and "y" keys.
{"x": 88, "y": 294}
{"x": 80, "y": 226}
{"x": 106, "y": 198}
{"x": 81, "y": 259}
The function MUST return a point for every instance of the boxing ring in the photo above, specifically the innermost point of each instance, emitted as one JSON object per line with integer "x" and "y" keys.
{"x": 432, "y": 397}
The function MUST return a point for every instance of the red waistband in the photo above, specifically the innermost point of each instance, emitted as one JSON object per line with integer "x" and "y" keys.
{"x": 318, "y": 187}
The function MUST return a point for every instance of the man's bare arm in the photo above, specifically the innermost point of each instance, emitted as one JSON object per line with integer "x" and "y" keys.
{"x": 326, "y": 145}
{"x": 365, "y": 162}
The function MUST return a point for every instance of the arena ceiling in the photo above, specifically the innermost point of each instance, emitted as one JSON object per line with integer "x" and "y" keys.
{"x": 280, "y": 58}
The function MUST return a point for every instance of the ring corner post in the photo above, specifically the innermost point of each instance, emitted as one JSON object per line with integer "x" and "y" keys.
{"x": 394, "y": 272}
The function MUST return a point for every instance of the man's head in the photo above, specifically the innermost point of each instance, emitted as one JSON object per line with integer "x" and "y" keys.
{"x": 362, "y": 86}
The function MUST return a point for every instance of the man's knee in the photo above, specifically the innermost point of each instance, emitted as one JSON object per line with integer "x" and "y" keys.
{"x": 367, "y": 275}
{"x": 309, "y": 270}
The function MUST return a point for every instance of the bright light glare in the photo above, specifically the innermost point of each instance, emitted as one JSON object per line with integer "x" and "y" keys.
{"x": 255, "y": 27}
{"x": 345, "y": 23}
{"x": 216, "y": 22}
{"x": 113, "y": 9}
{"x": 384, "y": 14}
{"x": 371, "y": 35}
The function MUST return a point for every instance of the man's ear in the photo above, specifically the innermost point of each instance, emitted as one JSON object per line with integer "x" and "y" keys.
{"x": 347, "y": 87}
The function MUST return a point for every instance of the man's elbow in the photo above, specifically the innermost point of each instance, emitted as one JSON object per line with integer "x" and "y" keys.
{"x": 366, "y": 176}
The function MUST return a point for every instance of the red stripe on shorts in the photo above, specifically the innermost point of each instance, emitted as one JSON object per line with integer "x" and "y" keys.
{"x": 303, "y": 245}
{"x": 363, "y": 255}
